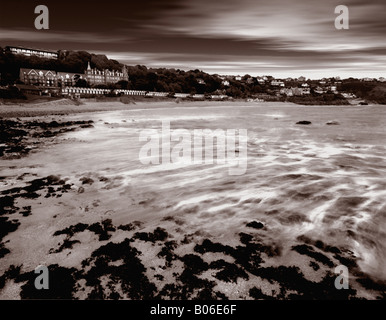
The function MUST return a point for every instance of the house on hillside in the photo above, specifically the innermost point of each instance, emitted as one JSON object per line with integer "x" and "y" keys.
{"x": 50, "y": 78}
{"x": 306, "y": 88}
{"x": 94, "y": 76}
{"x": 349, "y": 95}
{"x": 32, "y": 52}
{"x": 277, "y": 83}
{"x": 297, "y": 91}
{"x": 287, "y": 91}
{"x": 320, "y": 90}
{"x": 37, "y": 77}
{"x": 250, "y": 80}
{"x": 333, "y": 89}
{"x": 260, "y": 80}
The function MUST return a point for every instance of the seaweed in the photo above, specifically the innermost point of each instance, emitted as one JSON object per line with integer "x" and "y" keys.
{"x": 167, "y": 252}
{"x": 7, "y": 226}
{"x": 102, "y": 229}
{"x": 257, "y": 294}
{"x": 130, "y": 275}
{"x": 373, "y": 285}
{"x": 255, "y": 225}
{"x": 127, "y": 227}
{"x": 158, "y": 234}
{"x": 16, "y": 135}
{"x": 309, "y": 251}
{"x": 209, "y": 246}
{"x": 7, "y": 205}
{"x": 61, "y": 284}
{"x": 3, "y": 250}
{"x": 292, "y": 279}
{"x": 67, "y": 244}
{"x": 71, "y": 230}
{"x": 194, "y": 263}
{"x": 229, "y": 272}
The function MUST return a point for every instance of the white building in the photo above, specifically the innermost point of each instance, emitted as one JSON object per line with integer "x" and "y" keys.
{"x": 320, "y": 90}
{"x": 32, "y": 52}
{"x": 277, "y": 83}
{"x": 333, "y": 89}
{"x": 260, "y": 80}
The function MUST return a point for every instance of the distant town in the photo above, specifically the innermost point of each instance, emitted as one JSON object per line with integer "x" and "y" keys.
{"x": 79, "y": 74}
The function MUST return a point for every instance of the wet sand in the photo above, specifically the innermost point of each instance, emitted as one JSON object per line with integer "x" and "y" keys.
{"x": 109, "y": 227}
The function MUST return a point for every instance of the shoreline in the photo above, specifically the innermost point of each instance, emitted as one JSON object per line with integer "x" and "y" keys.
{"x": 67, "y": 107}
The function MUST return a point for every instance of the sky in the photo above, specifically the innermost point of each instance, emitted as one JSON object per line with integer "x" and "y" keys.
{"x": 282, "y": 38}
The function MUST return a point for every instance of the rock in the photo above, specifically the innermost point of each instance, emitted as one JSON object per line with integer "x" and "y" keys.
{"x": 332, "y": 123}
{"x": 80, "y": 190}
{"x": 255, "y": 224}
{"x": 86, "y": 180}
{"x": 304, "y": 122}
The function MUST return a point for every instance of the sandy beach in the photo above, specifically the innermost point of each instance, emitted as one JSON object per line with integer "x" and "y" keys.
{"x": 67, "y": 106}
{"x": 76, "y": 198}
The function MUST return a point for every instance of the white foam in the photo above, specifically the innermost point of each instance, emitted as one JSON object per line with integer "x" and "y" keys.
{"x": 220, "y": 207}
{"x": 316, "y": 216}
{"x": 194, "y": 200}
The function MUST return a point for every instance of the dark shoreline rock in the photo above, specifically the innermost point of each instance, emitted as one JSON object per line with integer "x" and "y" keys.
{"x": 16, "y": 137}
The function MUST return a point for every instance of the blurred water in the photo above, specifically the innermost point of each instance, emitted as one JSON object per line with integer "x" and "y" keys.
{"x": 326, "y": 182}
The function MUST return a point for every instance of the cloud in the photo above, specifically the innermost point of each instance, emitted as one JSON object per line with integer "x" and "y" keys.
{"x": 24, "y": 35}
{"x": 87, "y": 15}
{"x": 345, "y": 65}
{"x": 244, "y": 36}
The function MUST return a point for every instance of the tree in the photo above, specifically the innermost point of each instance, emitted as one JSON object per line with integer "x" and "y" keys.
{"x": 82, "y": 83}
{"x": 123, "y": 84}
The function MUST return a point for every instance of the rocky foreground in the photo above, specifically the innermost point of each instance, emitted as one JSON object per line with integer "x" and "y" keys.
{"x": 95, "y": 248}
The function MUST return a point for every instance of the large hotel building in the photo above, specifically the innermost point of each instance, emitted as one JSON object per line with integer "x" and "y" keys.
{"x": 50, "y": 78}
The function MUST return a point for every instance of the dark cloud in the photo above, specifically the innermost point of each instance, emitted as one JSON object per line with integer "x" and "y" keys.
{"x": 87, "y": 15}
{"x": 275, "y": 36}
